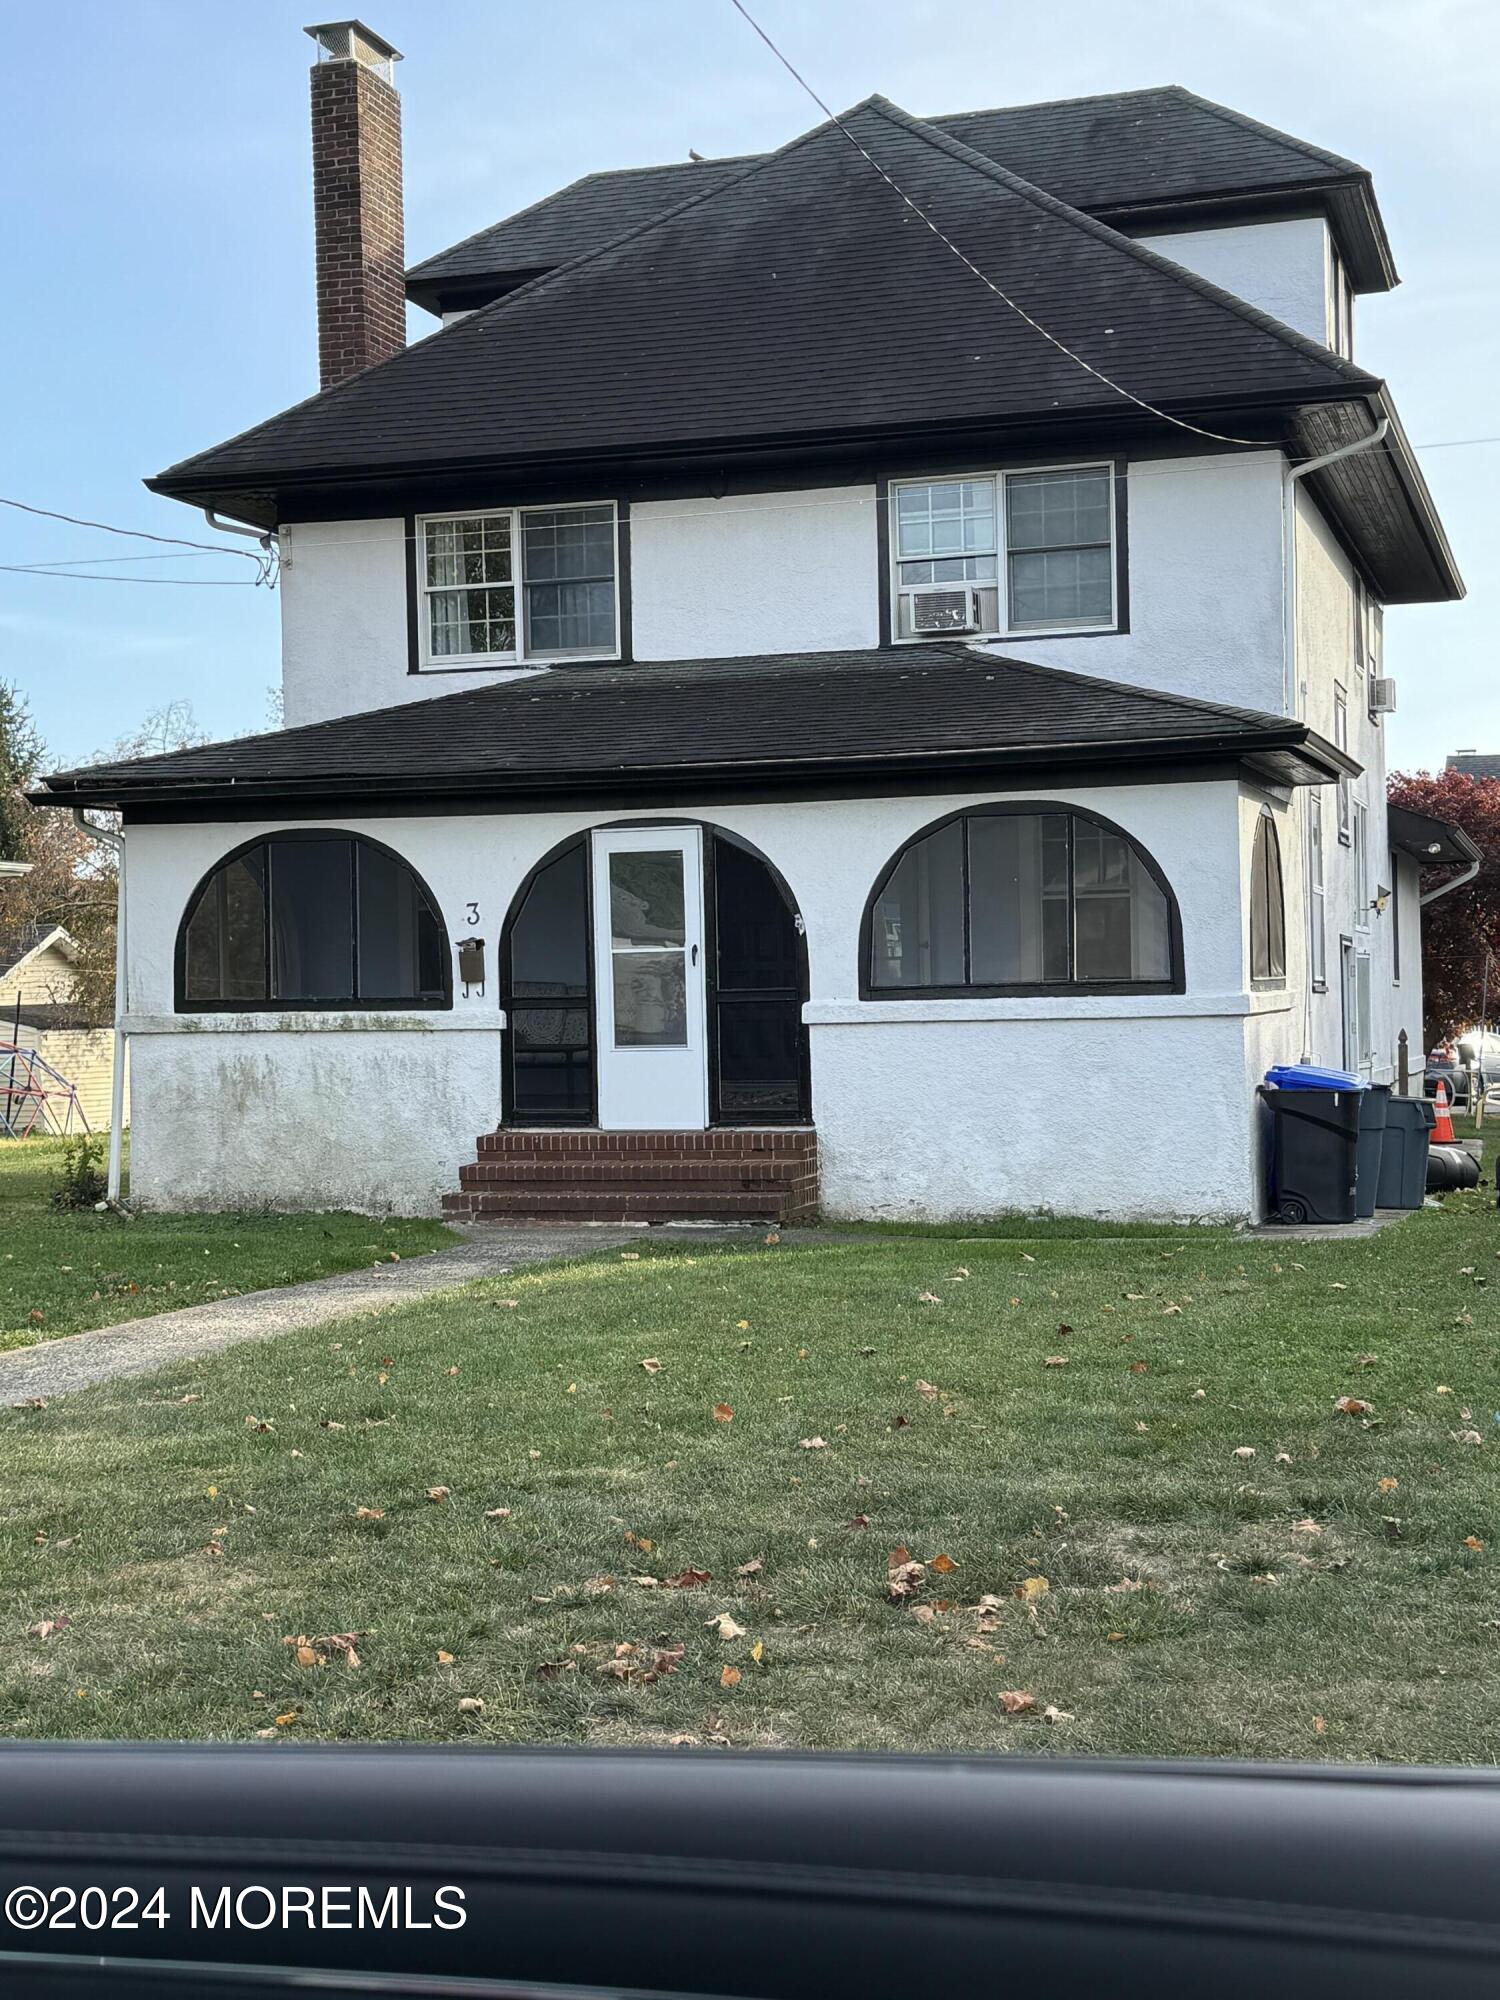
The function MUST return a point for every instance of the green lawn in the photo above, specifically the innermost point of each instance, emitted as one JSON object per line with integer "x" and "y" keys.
{"x": 1327, "y": 1597}
{"x": 62, "y": 1272}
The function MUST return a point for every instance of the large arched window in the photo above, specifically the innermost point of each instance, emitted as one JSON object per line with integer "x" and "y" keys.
{"x": 312, "y": 920}
{"x": 1015, "y": 899}
{"x": 1267, "y": 906}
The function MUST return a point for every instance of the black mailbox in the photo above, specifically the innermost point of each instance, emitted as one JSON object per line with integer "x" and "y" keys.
{"x": 471, "y": 963}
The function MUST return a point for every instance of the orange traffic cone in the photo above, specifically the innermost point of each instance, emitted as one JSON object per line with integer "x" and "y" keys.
{"x": 1442, "y": 1131}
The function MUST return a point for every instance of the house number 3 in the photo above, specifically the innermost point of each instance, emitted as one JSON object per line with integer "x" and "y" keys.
{"x": 473, "y": 910}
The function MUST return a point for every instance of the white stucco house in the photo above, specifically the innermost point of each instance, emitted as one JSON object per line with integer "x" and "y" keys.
{"x": 773, "y": 722}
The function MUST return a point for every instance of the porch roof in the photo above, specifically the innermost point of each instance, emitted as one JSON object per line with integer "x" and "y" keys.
{"x": 800, "y": 723}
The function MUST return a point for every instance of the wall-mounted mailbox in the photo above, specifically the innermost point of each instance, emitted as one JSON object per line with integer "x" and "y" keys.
{"x": 471, "y": 964}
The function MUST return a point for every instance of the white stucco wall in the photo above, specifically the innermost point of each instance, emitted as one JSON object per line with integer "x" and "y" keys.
{"x": 344, "y": 643}
{"x": 798, "y": 571}
{"x": 1282, "y": 267}
{"x": 1206, "y": 585}
{"x": 754, "y": 573}
{"x": 924, "y": 1108}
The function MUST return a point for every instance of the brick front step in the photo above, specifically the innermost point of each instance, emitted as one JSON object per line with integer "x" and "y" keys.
{"x": 761, "y": 1174}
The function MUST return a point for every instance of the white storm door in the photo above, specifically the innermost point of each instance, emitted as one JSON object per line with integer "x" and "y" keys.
{"x": 649, "y": 975}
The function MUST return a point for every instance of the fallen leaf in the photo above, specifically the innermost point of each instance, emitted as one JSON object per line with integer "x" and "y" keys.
{"x": 859, "y": 1521}
{"x": 630, "y": 1256}
{"x": 903, "y": 1576}
{"x": 287, "y": 1719}
{"x": 723, "y": 1414}
{"x": 651, "y": 1365}
{"x": 1052, "y": 1714}
{"x": 927, "y": 1389}
{"x": 1473, "y": 1542}
{"x": 944, "y": 1565}
{"x": 688, "y": 1579}
{"x": 758, "y": 1651}
{"x": 1031, "y": 1588}
{"x": 1387, "y": 1485}
{"x": 730, "y": 1677}
{"x": 369, "y": 1513}
{"x": 1306, "y": 1527}
{"x": 444, "y": 1659}
{"x": 1244, "y": 1451}
{"x": 812, "y": 1444}
{"x": 471, "y": 1704}
{"x": 497, "y": 1513}
{"x": 1319, "y": 1725}
{"x": 1138, "y": 1368}
{"x": 725, "y": 1625}
{"x": 46, "y": 1627}
{"x": 928, "y": 1299}
{"x": 751, "y": 1568}
{"x": 1056, "y": 1361}
{"x": 1353, "y": 1406}
{"x": 1015, "y": 1702}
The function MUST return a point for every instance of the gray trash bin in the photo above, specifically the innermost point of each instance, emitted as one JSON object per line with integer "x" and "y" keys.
{"x": 1403, "y": 1152}
{"x": 1372, "y": 1113}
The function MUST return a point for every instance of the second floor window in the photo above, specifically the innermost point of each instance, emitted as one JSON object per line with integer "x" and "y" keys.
{"x": 1014, "y": 552}
{"x": 1341, "y": 742}
{"x": 517, "y": 584}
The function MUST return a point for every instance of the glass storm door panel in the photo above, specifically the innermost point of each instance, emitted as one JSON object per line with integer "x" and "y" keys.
{"x": 649, "y": 976}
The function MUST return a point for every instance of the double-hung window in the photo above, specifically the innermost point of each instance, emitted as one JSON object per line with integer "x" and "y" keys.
{"x": 1361, "y": 865}
{"x": 1341, "y": 742}
{"x": 1022, "y": 552}
{"x": 517, "y": 584}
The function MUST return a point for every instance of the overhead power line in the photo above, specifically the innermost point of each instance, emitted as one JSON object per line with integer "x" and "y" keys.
{"x": 137, "y": 534}
{"x": 1152, "y": 409}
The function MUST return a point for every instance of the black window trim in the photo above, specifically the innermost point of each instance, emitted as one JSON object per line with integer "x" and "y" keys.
{"x": 1034, "y": 988}
{"x": 286, "y": 836}
{"x": 1262, "y": 850}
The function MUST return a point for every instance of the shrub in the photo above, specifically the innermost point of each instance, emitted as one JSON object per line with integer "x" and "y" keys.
{"x": 81, "y": 1182}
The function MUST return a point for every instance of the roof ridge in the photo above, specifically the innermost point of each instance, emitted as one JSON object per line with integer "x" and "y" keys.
{"x": 1051, "y": 204}
{"x": 1056, "y": 103}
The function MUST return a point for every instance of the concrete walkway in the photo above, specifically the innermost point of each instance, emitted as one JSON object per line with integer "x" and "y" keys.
{"x": 53, "y": 1367}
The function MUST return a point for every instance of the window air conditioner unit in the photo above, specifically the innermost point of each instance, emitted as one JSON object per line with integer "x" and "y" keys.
{"x": 1382, "y": 695}
{"x": 938, "y": 611}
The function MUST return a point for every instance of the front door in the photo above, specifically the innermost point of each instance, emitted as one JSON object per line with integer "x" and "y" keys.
{"x": 649, "y": 976}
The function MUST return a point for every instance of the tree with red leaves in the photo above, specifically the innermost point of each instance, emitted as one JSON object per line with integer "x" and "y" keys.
{"x": 1458, "y": 931}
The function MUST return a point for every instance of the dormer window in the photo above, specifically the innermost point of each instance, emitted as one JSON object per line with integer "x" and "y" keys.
{"x": 517, "y": 584}
{"x": 1005, "y": 553}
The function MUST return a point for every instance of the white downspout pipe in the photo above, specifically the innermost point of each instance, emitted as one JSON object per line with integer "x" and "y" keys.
{"x": 1291, "y": 680}
{"x": 1457, "y": 881}
{"x": 117, "y": 1081}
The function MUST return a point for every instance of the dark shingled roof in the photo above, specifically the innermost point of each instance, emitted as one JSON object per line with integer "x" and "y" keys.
{"x": 805, "y": 718}
{"x": 1137, "y": 150}
{"x": 1430, "y": 840}
{"x": 790, "y": 303}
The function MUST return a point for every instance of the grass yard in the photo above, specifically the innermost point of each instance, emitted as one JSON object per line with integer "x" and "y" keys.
{"x": 493, "y": 1501}
{"x": 63, "y": 1272}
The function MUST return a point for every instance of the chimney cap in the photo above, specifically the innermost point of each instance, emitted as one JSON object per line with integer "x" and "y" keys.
{"x": 343, "y": 41}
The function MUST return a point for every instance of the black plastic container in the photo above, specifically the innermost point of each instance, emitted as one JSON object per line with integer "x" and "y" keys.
{"x": 1373, "y": 1105}
{"x": 1314, "y": 1147}
{"x": 1403, "y": 1152}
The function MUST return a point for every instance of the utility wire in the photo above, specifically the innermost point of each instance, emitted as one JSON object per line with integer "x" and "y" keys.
{"x": 162, "y": 582}
{"x": 1219, "y": 437}
{"x": 138, "y": 534}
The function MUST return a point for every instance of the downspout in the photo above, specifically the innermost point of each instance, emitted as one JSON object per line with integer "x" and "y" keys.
{"x": 1291, "y": 682}
{"x": 117, "y": 1080}
{"x": 265, "y": 536}
{"x": 1457, "y": 881}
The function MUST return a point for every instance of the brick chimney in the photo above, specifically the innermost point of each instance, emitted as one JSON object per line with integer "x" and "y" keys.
{"x": 357, "y": 209}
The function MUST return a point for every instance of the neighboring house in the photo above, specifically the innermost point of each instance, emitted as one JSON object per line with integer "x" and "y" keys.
{"x": 1476, "y": 763}
{"x": 38, "y": 1011}
{"x": 767, "y": 724}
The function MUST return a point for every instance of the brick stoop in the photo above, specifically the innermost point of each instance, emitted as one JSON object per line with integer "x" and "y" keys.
{"x": 760, "y": 1174}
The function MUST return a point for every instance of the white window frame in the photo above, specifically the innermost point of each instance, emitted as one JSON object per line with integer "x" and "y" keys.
{"x": 1317, "y": 891}
{"x": 1341, "y": 742}
{"x": 1360, "y": 862}
{"x": 429, "y": 662}
{"x": 1006, "y": 628}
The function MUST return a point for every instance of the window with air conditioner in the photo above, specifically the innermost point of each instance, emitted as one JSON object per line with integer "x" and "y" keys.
{"x": 1029, "y": 552}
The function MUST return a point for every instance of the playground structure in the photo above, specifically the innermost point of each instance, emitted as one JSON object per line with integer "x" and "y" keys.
{"x": 35, "y": 1097}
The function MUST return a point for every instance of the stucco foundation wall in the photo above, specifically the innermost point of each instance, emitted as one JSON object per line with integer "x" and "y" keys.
{"x": 372, "y": 1120}
{"x": 1119, "y": 1119}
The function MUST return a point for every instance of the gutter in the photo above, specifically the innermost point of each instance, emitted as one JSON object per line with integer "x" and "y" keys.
{"x": 117, "y": 1080}
{"x": 1465, "y": 874}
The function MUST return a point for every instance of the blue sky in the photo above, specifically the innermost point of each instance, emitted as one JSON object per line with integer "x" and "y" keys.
{"x": 157, "y": 240}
